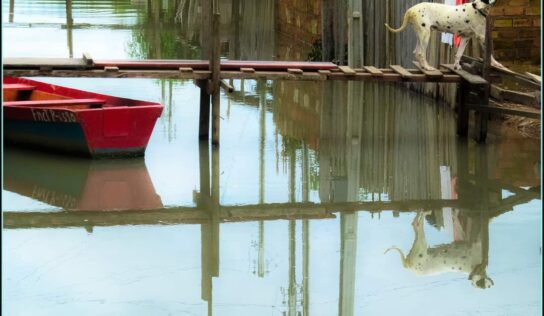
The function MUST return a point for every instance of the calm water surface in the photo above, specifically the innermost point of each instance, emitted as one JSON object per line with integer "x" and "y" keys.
{"x": 312, "y": 184}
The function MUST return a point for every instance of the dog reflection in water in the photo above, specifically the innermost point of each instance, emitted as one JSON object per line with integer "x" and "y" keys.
{"x": 466, "y": 255}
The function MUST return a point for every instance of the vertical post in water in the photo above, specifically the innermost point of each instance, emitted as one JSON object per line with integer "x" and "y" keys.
{"x": 205, "y": 25}
{"x": 483, "y": 117}
{"x": 216, "y": 69}
{"x": 69, "y": 26}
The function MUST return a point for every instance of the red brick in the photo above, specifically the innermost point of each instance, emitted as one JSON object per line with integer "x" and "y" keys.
{"x": 532, "y": 11}
{"x": 513, "y": 10}
{"x": 522, "y": 22}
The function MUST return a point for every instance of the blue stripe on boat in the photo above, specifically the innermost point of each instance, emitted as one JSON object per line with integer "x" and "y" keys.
{"x": 66, "y": 137}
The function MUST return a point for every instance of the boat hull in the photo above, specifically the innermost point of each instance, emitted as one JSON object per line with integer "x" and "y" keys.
{"x": 113, "y": 130}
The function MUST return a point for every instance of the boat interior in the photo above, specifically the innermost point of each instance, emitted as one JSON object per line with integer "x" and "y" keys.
{"x": 25, "y": 95}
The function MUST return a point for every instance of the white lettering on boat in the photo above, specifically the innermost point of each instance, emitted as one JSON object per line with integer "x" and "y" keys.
{"x": 49, "y": 115}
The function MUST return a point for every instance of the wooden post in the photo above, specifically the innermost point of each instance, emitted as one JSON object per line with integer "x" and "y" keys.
{"x": 69, "y": 26}
{"x": 216, "y": 69}
{"x": 482, "y": 116}
{"x": 355, "y": 34}
{"x": 204, "y": 124}
{"x": 462, "y": 109}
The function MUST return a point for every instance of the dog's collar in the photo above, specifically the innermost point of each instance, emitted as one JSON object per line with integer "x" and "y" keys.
{"x": 483, "y": 12}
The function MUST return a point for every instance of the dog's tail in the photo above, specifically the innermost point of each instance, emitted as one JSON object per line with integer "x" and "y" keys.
{"x": 402, "y": 257}
{"x": 407, "y": 17}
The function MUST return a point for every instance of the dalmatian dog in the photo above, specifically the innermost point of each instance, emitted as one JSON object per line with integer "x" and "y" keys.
{"x": 458, "y": 257}
{"x": 464, "y": 20}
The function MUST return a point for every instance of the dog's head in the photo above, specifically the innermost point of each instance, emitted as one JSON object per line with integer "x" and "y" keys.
{"x": 483, "y": 4}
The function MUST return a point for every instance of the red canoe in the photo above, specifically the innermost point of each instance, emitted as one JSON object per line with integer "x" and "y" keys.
{"x": 52, "y": 117}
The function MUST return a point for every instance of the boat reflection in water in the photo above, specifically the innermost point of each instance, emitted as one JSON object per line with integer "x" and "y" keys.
{"x": 77, "y": 184}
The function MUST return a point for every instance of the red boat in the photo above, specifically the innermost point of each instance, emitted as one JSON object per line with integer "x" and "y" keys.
{"x": 48, "y": 116}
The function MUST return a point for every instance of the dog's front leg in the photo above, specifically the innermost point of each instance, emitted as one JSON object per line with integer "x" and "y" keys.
{"x": 494, "y": 62}
{"x": 460, "y": 51}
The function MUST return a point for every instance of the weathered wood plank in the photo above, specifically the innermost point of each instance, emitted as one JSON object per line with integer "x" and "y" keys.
{"x": 63, "y": 63}
{"x": 435, "y": 73}
{"x": 401, "y": 71}
{"x": 470, "y": 78}
{"x": 249, "y": 70}
{"x": 295, "y": 71}
{"x": 514, "y": 96}
{"x": 185, "y": 69}
{"x": 347, "y": 70}
{"x": 373, "y": 71}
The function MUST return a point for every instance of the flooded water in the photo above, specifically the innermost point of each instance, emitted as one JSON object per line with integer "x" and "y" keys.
{"x": 323, "y": 199}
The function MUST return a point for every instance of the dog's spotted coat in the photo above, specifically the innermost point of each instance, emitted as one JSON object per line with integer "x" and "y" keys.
{"x": 464, "y": 20}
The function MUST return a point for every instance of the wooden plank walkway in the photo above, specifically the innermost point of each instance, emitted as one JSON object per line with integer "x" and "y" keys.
{"x": 199, "y": 70}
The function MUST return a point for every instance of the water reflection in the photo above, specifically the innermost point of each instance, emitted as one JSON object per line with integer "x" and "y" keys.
{"x": 356, "y": 157}
{"x": 76, "y": 184}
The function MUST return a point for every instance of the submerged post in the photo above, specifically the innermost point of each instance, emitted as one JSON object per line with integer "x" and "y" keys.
{"x": 204, "y": 122}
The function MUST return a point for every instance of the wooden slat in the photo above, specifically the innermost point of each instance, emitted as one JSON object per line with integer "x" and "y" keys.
{"x": 185, "y": 69}
{"x": 373, "y": 71}
{"x": 295, "y": 71}
{"x": 111, "y": 68}
{"x": 402, "y": 71}
{"x": 247, "y": 69}
{"x": 324, "y": 72}
{"x": 54, "y": 102}
{"x": 429, "y": 73}
{"x": 17, "y": 87}
{"x": 473, "y": 79}
{"x": 347, "y": 70}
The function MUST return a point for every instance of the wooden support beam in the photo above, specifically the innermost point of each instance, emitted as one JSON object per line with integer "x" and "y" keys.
{"x": 228, "y": 87}
{"x": 495, "y": 108}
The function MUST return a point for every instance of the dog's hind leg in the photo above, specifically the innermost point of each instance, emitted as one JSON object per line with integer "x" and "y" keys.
{"x": 460, "y": 51}
{"x": 423, "y": 36}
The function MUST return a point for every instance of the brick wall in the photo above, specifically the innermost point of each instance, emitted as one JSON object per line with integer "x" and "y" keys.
{"x": 516, "y": 31}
